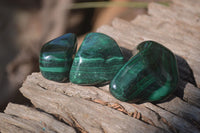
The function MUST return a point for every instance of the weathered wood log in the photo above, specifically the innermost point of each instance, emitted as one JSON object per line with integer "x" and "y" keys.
{"x": 25, "y": 119}
{"x": 35, "y": 84}
{"x": 65, "y": 101}
{"x": 177, "y": 14}
{"x": 183, "y": 109}
{"x": 190, "y": 5}
{"x": 173, "y": 30}
{"x": 93, "y": 109}
{"x": 176, "y": 29}
{"x": 180, "y": 33}
{"x": 191, "y": 95}
{"x": 138, "y": 34}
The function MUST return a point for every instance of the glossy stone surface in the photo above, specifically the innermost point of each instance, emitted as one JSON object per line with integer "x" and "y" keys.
{"x": 56, "y": 57}
{"x": 150, "y": 75}
{"x": 97, "y": 61}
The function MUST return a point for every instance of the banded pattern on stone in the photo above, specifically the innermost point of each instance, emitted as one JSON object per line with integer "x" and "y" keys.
{"x": 97, "y": 61}
{"x": 56, "y": 57}
{"x": 150, "y": 75}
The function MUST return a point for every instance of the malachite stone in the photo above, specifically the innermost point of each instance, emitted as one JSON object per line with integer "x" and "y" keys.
{"x": 151, "y": 75}
{"x": 98, "y": 59}
{"x": 56, "y": 57}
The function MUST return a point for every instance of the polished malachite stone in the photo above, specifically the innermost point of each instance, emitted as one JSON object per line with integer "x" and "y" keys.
{"x": 150, "y": 75}
{"x": 56, "y": 57}
{"x": 97, "y": 61}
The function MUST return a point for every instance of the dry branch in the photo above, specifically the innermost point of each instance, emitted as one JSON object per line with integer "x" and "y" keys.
{"x": 68, "y": 107}
{"x": 47, "y": 95}
{"x": 82, "y": 114}
{"x": 31, "y": 120}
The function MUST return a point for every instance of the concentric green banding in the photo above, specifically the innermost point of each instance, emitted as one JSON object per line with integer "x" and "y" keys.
{"x": 112, "y": 59}
{"x": 56, "y": 57}
{"x": 97, "y": 61}
{"x": 151, "y": 75}
{"x": 54, "y": 69}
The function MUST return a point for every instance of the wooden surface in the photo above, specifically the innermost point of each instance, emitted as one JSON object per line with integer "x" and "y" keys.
{"x": 176, "y": 28}
{"x": 66, "y": 107}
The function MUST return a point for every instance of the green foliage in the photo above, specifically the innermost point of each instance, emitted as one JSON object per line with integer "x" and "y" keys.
{"x": 113, "y": 4}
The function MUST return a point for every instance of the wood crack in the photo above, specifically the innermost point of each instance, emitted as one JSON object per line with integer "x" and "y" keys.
{"x": 172, "y": 128}
{"x": 118, "y": 107}
{"x": 75, "y": 124}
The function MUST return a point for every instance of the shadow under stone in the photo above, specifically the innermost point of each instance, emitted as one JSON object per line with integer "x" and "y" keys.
{"x": 185, "y": 71}
{"x": 185, "y": 74}
{"x": 126, "y": 53}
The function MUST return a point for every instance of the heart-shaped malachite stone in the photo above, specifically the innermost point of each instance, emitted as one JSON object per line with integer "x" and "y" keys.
{"x": 150, "y": 75}
{"x": 56, "y": 57}
{"x": 97, "y": 61}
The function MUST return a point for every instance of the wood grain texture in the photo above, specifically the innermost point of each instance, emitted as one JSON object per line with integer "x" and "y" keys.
{"x": 137, "y": 34}
{"x": 18, "y": 118}
{"x": 189, "y": 5}
{"x": 177, "y": 14}
{"x": 192, "y": 95}
{"x": 182, "y": 109}
{"x": 64, "y": 98}
{"x": 79, "y": 112}
{"x": 46, "y": 121}
{"x": 68, "y": 107}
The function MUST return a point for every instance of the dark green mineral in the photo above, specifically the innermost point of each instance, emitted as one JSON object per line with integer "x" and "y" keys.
{"x": 97, "y": 61}
{"x": 150, "y": 75}
{"x": 56, "y": 57}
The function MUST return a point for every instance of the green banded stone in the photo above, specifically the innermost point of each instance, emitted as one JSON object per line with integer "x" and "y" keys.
{"x": 150, "y": 75}
{"x": 97, "y": 61}
{"x": 56, "y": 57}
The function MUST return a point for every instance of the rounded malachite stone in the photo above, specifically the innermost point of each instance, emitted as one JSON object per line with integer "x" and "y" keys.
{"x": 150, "y": 75}
{"x": 97, "y": 61}
{"x": 56, "y": 57}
